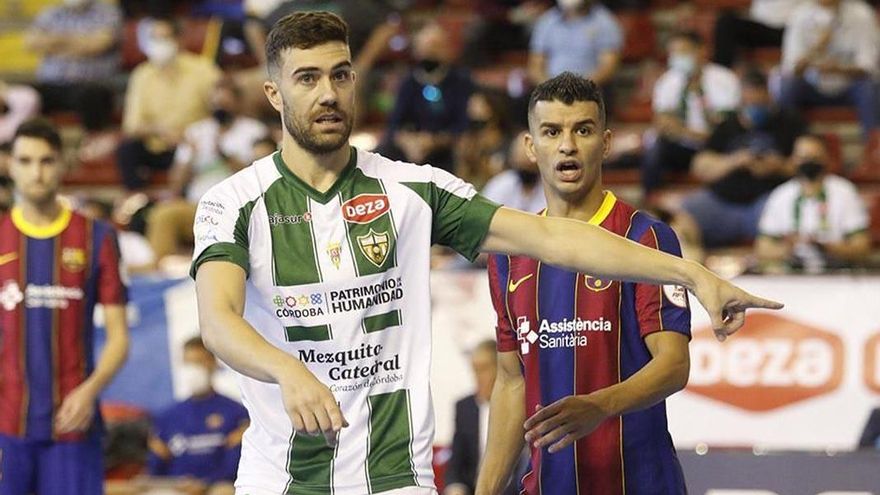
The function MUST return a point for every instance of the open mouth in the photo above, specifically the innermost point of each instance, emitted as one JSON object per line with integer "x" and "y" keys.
{"x": 330, "y": 118}
{"x": 569, "y": 170}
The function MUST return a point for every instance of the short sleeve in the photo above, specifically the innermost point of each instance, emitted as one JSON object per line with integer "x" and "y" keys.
{"x": 221, "y": 228}
{"x": 666, "y": 94}
{"x": 499, "y": 271}
{"x": 775, "y": 221}
{"x": 111, "y": 288}
{"x": 726, "y": 90}
{"x": 662, "y": 307}
{"x": 611, "y": 37}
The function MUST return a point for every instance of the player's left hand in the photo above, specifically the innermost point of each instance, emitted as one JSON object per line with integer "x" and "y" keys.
{"x": 77, "y": 410}
{"x": 726, "y": 303}
{"x": 565, "y": 421}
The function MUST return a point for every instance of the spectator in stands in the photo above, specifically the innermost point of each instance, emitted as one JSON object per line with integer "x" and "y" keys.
{"x": 690, "y": 99}
{"x": 17, "y": 104}
{"x": 499, "y": 26}
{"x": 762, "y": 27}
{"x": 6, "y": 186}
{"x": 168, "y": 92}
{"x": 831, "y": 56}
{"x": 213, "y": 155}
{"x": 430, "y": 112}
{"x": 135, "y": 252}
{"x": 520, "y": 186}
{"x": 870, "y": 438}
{"x": 481, "y": 149}
{"x": 745, "y": 158}
{"x": 579, "y": 36}
{"x": 79, "y": 45}
{"x": 817, "y": 218}
{"x": 199, "y": 438}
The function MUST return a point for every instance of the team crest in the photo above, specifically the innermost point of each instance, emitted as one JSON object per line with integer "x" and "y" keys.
{"x": 596, "y": 284}
{"x": 334, "y": 251}
{"x": 73, "y": 259}
{"x": 374, "y": 246}
{"x": 214, "y": 421}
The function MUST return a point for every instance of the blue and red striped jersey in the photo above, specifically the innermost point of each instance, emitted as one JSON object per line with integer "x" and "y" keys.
{"x": 51, "y": 277}
{"x": 576, "y": 334}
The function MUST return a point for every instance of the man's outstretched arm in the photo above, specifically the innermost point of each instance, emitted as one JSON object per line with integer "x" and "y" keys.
{"x": 585, "y": 248}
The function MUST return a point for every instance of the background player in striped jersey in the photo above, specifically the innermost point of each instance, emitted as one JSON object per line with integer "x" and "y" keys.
{"x": 55, "y": 265}
{"x": 589, "y": 359}
{"x": 289, "y": 226}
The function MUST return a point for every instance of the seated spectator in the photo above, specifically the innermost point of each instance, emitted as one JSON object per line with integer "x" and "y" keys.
{"x": 168, "y": 92}
{"x": 690, "y": 99}
{"x": 870, "y": 438}
{"x": 480, "y": 150}
{"x": 745, "y": 159}
{"x": 763, "y": 27}
{"x": 520, "y": 186}
{"x": 79, "y": 45}
{"x": 815, "y": 219}
{"x": 431, "y": 108}
{"x": 199, "y": 438}
{"x": 580, "y": 36}
{"x": 831, "y": 56}
{"x": 17, "y": 104}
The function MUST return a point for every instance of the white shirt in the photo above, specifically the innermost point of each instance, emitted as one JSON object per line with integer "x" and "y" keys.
{"x": 773, "y": 13}
{"x": 856, "y": 40}
{"x": 507, "y": 189}
{"x": 788, "y": 212}
{"x": 721, "y": 93}
{"x": 200, "y": 144}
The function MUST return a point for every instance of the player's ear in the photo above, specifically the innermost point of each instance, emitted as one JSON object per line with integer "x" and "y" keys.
{"x": 607, "y": 136}
{"x": 529, "y": 144}
{"x": 273, "y": 95}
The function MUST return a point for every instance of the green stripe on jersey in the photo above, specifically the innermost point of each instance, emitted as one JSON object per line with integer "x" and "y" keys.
{"x": 290, "y": 222}
{"x": 310, "y": 464}
{"x": 374, "y": 244}
{"x": 381, "y": 322}
{"x": 390, "y": 458}
{"x": 316, "y": 333}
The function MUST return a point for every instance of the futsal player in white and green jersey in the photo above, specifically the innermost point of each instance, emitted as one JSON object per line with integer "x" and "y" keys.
{"x": 329, "y": 246}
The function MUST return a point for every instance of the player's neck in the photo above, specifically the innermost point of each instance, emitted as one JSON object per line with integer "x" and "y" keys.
{"x": 582, "y": 208}
{"x": 40, "y": 214}
{"x": 318, "y": 171}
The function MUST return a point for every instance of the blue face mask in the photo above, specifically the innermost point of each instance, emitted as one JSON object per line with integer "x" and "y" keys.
{"x": 759, "y": 115}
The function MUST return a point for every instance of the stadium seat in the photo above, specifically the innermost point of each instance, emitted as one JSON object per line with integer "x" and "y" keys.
{"x": 639, "y": 33}
{"x": 873, "y": 205}
{"x": 723, "y": 4}
{"x": 837, "y": 115}
{"x": 868, "y": 170}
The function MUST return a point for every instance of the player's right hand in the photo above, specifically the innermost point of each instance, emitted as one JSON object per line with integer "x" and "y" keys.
{"x": 310, "y": 405}
{"x": 727, "y": 303}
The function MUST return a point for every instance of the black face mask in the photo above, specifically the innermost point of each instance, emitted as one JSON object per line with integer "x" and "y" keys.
{"x": 5, "y": 182}
{"x": 4, "y": 108}
{"x": 222, "y": 116}
{"x": 429, "y": 65}
{"x": 528, "y": 177}
{"x": 477, "y": 125}
{"x": 811, "y": 170}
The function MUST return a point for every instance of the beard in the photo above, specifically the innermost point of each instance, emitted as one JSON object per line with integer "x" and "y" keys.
{"x": 319, "y": 144}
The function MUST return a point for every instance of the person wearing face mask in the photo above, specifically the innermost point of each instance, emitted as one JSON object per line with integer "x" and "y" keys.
{"x": 165, "y": 94}
{"x": 815, "y": 219}
{"x": 198, "y": 440}
{"x": 745, "y": 158}
{"x": 831, "y": 56}
{"x": 690, "y": 99}
{"x": 520, "y": 185}
{"x": 430, "y": 111}
{"x": 479, "y": 153}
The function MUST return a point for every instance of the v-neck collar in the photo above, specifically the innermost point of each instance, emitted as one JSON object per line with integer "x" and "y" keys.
{"x": 321, "y": 197}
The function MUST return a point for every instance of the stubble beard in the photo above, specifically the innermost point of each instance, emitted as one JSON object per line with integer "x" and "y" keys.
{"x": 309, "y": 141}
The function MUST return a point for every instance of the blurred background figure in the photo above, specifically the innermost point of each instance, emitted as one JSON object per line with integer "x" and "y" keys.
{"x": 831, "y": 56}
{"x": 815, "y": 219}
{"x": 199, "y": 440}
{"x": 135, "y": 252}
{"x": 690, "y": 99}
{"x": 520, "y": 185}
{"x": 431, "y": 109}
{"x": 168, "y": 92}
{"x": 761, "y": 28}
{"x": 17, "y": 104}
{"x": 745, "y": 158}
{"x": 480, "y": 151}
{"x": 6, "y": 186}
{"x": 870, "y": 439}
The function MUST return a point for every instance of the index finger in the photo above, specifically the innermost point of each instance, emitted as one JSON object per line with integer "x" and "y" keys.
{"x": 541, "y": 415}
{"x": 759, "y": 302}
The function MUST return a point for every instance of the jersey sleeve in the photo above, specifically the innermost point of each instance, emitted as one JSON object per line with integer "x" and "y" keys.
{"x": 499, "y": 271}
{"x": 662, "y": 307}
{"x": 461, "y": 215}
{"x": 220, "y": 229}
{"x": 111, "y": 288}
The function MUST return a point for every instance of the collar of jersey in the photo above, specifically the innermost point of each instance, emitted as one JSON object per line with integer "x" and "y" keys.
{"x": 40, "y": 231}
{"x": 602, "y": 213}
{"x": 322, "y": 197}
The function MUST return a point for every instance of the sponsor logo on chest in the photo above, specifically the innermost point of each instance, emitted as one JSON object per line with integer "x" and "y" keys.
{"x": 364, "y": 208}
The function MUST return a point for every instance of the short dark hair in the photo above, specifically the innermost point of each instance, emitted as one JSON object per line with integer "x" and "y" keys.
{"x": 687, "y": 35}
{"x": 568, "y": 88}
{"x": 303, "y": 30}
{"x": 39, "y": 128}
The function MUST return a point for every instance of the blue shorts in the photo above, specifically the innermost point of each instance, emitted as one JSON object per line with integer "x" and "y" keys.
{"x": 51, "y": 468}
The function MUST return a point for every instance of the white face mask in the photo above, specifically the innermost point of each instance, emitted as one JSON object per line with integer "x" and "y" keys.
{"x": 161, "y": 52}
{"x": 196, "y": 379}
{"x": 569, "y": 4}
{"x": 682, "y": 63}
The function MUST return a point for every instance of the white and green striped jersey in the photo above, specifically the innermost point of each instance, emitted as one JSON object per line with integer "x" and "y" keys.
{"x": 340, "y": 279}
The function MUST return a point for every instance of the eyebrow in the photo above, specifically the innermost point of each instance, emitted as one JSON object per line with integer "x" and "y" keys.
{"x": 576, "y": 124}
{"x": 340, "y": 65}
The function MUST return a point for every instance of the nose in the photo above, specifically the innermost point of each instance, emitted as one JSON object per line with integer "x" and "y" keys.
{"x": 328, "y": 96}
{"x": 567, "y": 145}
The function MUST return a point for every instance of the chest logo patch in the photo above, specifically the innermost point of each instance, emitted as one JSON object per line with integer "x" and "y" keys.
{"x": 73, "y": 259}
{"x": 214, "y": 421}
{"x": 596, "y": 284}
{"x": 334, "y": 251}
{"x": 374, "y": 245}
{"x": 364, "y": 208}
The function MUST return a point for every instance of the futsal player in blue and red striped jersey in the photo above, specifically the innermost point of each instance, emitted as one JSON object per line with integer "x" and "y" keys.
{"x": 55, "y": 266}
{"x": 584, "y": 363}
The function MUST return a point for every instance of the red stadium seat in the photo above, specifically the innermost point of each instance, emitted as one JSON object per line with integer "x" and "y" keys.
{"x": 831, "y": 115}
{"x": 874, "y": 212}
{"x": 723, "y": 4}
{"x": 869, "y": 168}
{"x": 835, "y": 152}
{"x": 639, "y": 35}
